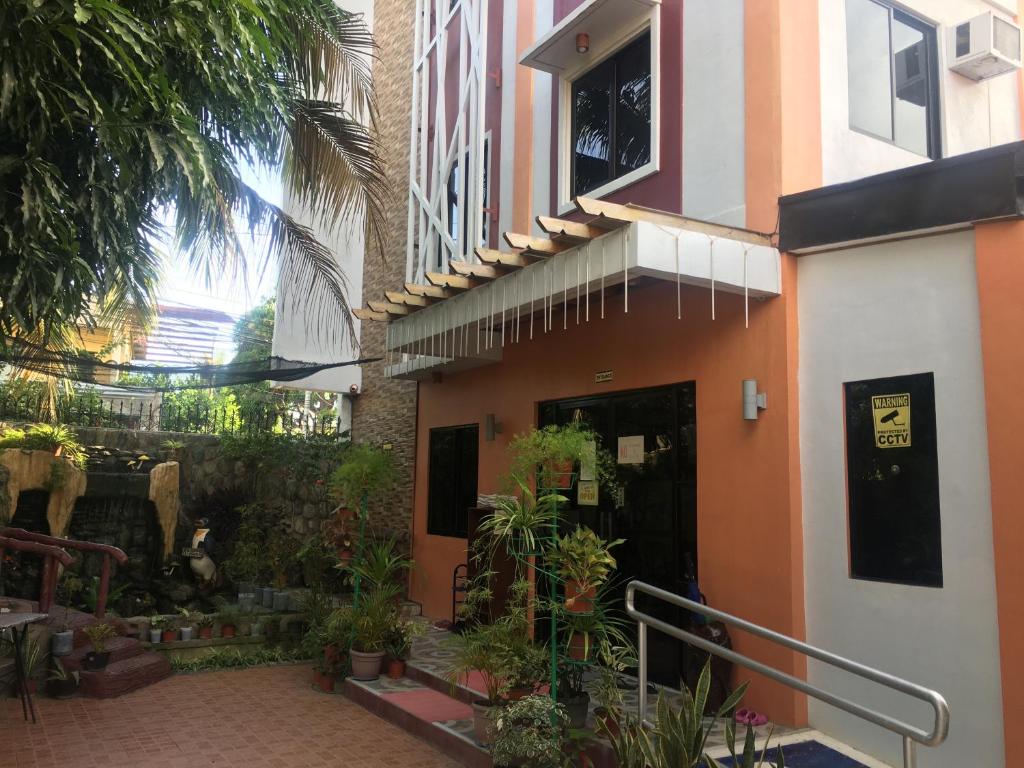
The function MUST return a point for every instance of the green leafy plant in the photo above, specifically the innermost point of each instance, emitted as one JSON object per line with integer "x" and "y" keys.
{"x": 679, "y": 737}
{"x": 32, "y": 652}
{"x": 583, "y": 557}
{"x": 188, "y": 618}
{"x": 91, "y": 595}
{"x": 479, "y": 649}
{"x": 57, "y": 672}
{"x": 530, "y": 732}
{"x": 56, "y": 438}
{"x": 373, "y": 619}
{"x": 228, "y": 613}
{"x": 365, "y": 469}
{"x": 317, "y": 562}
{"x": 518, "y": 522}
{"x": 596, "y": 633}
{"x": 246, "y": 562}
{"x": 382, "y": 563}
{"x": 160, "y": 622}
{"x": 550, "y": 451}
{"x": 99, "y": 634}
{"x": 204, "y": 619}
{"x": 398, "y": 643}
{"x": 233, "y": 659}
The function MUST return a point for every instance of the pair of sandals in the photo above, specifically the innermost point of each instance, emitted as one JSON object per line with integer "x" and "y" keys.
{"x": 750, "y": 717}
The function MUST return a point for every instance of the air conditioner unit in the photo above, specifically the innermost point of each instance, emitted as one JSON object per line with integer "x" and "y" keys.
{"x": 984, "y": 47}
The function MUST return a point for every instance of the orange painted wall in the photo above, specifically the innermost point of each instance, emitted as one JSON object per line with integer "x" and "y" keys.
{"x": 999, "y": 255}
{"x": 748, "y": 530}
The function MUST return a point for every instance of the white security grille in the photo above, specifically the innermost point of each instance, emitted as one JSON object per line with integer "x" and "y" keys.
{"x": 446, "y": 162}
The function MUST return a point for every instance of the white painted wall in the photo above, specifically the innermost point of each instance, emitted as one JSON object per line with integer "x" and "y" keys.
{"x": 714, "y": 150}
{"x": 974, "y": 115}
{"x": 886, "y": 310}
{"x": 542, "y": 85}
{"x": 295, "y": 337}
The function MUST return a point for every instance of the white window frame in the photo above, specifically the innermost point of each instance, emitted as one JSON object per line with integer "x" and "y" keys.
{"x": 651, "y": 23}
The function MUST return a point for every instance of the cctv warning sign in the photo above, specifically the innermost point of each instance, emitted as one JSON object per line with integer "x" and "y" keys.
{"x": 891, "y": 414}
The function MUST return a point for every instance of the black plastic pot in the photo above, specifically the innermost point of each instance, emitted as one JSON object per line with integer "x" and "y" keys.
{"x": 95, "y": 660}
{"x": 62, "y": 689}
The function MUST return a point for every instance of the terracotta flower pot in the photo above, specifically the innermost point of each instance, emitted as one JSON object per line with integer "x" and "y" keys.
{"x": 205, "y": 633}
{"x": 169, "y": 635}
{"x": 577, "y": 601}
{"x": 324, "y": 682}
{"x": 558, "y": 474}
{"x": 578, "y": 647}
{"x": 515, "y": 694}
{"x": 396, "y": 669}
{"x": 227, "y": 630}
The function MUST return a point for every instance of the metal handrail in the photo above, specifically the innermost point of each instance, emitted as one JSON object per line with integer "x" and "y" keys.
{"x": 911, "y": 734}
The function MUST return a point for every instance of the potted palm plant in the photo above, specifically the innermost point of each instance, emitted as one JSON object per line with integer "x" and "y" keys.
{"x": 31, "y": 656}
{"x": 479, "y": 650}
{"x": 583, "y": 561}
{"x": 98, "y": 635}
{"x": 372, "y": 620}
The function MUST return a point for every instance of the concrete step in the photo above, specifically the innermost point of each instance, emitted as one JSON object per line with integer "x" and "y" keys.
{"x": 120, "y": 648}
{"x": 439, "y": 720}
{"x": 126, "y": 675}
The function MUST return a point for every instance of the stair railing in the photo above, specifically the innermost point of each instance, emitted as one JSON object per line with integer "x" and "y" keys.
{"x": 912, "y": 735}
{"x": 50, "y": 571}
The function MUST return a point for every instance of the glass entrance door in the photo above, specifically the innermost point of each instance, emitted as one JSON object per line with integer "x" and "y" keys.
{"x": 655, "y": 510}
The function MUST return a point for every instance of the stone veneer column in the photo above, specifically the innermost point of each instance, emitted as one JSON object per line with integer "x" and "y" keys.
{"x": 385, "y": 411}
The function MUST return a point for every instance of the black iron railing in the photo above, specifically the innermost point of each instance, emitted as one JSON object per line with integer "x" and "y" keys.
{"x": 155, "y": 415}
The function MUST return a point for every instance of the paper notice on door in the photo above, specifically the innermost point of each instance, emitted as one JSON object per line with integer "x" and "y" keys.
{"x": 586, "y": 493}
{"x": 588, "y": 462}
{"x": 631, "y": 449}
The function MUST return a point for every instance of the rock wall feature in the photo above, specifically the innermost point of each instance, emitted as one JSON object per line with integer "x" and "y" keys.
{"x": 41, "y": 470}
{"x": 163, "y": 492}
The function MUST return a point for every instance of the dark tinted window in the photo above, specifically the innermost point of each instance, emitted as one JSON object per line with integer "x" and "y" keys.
{"x": 611, "y": 118}
{"x": 893, "y": 76}
{"x": 452, "y": 469}
{"x": 893, "y": 480}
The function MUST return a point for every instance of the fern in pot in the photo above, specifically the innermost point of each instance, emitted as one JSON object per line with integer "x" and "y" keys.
{"x": 480, "y": 650}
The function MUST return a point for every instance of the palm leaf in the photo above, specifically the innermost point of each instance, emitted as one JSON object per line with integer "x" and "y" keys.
{"x": 333, "y": 168}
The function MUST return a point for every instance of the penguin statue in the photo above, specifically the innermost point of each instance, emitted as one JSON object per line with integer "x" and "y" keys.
{"x": 203, "y": 547}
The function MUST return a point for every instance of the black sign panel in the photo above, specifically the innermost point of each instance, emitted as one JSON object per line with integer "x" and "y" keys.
{"x": 893, "y": 480}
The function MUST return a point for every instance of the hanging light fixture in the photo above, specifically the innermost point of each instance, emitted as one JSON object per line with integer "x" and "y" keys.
{"x": 582, "y": 42}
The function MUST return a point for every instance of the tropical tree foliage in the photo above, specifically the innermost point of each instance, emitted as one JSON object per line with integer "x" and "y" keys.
{"x": 124, "y": 124}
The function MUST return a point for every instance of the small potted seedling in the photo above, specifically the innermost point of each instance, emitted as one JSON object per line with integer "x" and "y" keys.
{"x": 188, "y": 620}
{"x": 61, "y": 684}
{"x": 156, "y": 628}
{"x": 169, "y": 632}
{"x": 98, "y": 635}
{"x": 205, "y": 623}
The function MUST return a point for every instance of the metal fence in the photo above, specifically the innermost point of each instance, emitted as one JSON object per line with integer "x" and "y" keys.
{"x": 156, "y": 415}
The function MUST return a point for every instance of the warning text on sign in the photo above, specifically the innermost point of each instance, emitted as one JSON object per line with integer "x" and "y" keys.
{"x": 891, "y": 416}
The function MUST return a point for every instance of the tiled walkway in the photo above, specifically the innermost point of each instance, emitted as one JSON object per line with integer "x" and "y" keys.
{"x": 257, "y": 718}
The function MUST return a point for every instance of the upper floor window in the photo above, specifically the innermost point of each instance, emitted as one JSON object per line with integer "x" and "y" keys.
{"x": 611, "y": 118}
{"x": 893, "y": 76}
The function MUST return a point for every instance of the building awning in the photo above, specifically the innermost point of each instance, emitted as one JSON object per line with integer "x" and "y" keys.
{"x": 951, "y": 193}
{"x": 605, "y": 22}
{"x": 463, "y": 319}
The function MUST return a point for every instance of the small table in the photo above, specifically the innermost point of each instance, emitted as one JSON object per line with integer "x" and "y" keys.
{"x": 14, "y": 622}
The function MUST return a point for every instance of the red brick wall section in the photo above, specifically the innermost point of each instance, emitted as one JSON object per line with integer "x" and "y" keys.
{"x": 385, "y": 410}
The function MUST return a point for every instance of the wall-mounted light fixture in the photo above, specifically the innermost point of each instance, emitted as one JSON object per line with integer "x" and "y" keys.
{"x": 753, "y": 401}
{"x": 492, "y": 427}
{"x": 582, "y": 42}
